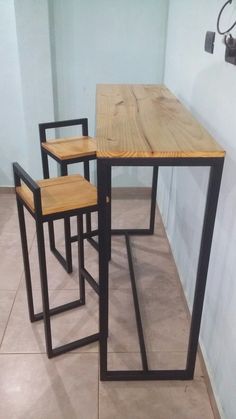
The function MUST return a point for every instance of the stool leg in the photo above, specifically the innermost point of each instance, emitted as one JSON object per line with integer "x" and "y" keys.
{"x": 46, "y": 176}
{"x": 68, "y": 250}
{"x": 67, "y": 230}
{"x": 51, "y": 235}
{"x": 45, "y": 164}
{"x": 153, "y": 199}
{"x": 80, "y": 230}
{"x": 66, "y": 261}
{"x": 87, "y": 177}
{"x": 44, "y": 287}
{"x": 109, "y": 208}
{"x": 25, "y": 253}
{"x": 88, "y": 216}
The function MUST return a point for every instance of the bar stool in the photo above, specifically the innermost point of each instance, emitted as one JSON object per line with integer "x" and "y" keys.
{"x": 67, "y": 151}
{"x": 49, "y": 200}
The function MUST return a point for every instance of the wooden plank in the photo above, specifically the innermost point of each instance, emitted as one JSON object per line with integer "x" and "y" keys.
{"x": 71, "y": 147}
{"x": 61, "y": 194}
{"x": 148, "y": 121}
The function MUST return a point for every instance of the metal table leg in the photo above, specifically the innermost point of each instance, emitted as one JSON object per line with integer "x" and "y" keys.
{"x": 216, "y": 167}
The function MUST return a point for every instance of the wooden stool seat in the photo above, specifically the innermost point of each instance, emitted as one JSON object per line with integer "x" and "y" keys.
{"x": 71, "y": 147}
{"x": 61, "y": 194}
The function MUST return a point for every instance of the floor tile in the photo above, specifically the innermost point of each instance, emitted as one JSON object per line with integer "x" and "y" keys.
{"x": 153, "y": 260}
{"x": 9, "y": 224}
{"x": 11, "y": 263}
{"x": 123, "y": 335}
{"x": 58, "y": 278}
{"x": 164, "y": 319}
{"x": 166, "y": 326}
{"x": 66, "y": 327}
{"x": 11, "y": 266}
{"x": 133, "y": 213}
{"x": 33, "y": 387}
{"x": 152, "y": 400}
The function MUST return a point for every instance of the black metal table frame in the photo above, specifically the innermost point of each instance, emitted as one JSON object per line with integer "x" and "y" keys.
{"x": 104, "y": 166}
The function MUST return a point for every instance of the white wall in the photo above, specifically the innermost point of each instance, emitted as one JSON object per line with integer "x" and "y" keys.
{"x": 32, "y": 24}
{"x": 207, "y": 85}
{"x": 12, "y": 132}
{"x": 88, "y": 43}
{"x": 25, "y": 84}
{"x": 105, "y": 42}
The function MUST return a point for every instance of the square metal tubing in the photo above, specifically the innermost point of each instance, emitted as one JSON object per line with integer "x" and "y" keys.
{"x": 104, "y": 172}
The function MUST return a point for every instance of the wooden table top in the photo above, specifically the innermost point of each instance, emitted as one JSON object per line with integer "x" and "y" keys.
{"x": 148, "y": 121}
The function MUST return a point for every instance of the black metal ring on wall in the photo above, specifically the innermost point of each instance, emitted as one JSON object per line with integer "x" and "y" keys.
{"x": 219, "y": 17}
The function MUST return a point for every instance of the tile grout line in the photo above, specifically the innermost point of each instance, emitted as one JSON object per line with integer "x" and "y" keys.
{"x": 7, "y": 322}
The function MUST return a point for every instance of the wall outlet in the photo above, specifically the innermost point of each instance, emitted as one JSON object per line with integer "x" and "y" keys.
{"x": 209, "y": 42}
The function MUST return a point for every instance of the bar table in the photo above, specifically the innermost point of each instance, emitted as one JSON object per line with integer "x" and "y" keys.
{"x": 146, "y": 125}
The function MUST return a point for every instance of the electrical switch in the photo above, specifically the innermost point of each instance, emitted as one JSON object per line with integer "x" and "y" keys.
{"x": 209, "y": 42}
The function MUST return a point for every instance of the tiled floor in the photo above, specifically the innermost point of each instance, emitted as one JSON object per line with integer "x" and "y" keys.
{"x": 68, "y": 387}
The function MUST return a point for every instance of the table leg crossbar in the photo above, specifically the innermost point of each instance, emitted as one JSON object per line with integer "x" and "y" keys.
{"x": 136, "y": 306}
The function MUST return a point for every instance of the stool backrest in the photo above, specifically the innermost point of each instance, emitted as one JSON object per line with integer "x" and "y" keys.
{"x": 60, "y": 124}
{"x": 20, "y": 175}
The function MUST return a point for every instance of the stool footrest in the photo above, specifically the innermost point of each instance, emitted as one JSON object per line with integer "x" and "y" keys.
{"x": 132, "y": 231}
{"x": 74, "y": 345}
{"x": 60, "y": 309}
{"x": 87, "y": 235}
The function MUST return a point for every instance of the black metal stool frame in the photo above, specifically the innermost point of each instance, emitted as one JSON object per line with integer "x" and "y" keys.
{"x": 21, "y": 175}
{"x": 43, "y": 127}
{"x": 67, "y": 261}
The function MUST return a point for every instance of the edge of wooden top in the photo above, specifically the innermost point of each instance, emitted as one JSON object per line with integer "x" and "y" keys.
{"x": 163, "y": 155}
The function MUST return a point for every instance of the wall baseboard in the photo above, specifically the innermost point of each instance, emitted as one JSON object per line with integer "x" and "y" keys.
{"x": 211, "y": 395}
{"x": 117, "y": 192}
{"x": 7, "y": 190}
{"x": 131, "y": 193}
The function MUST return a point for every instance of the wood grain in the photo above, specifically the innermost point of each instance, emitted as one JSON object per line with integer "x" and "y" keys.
{"x": 148, "y": 121}
{"x": 71, "y": 147}
{"x": 61, "y": 194}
